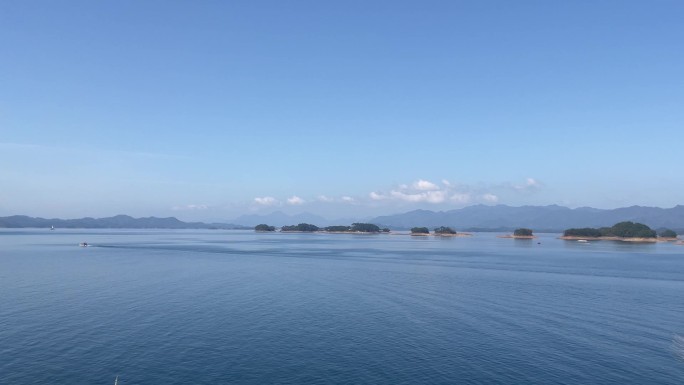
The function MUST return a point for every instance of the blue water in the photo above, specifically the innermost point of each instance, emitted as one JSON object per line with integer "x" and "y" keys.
{"x": 227, "y": 307}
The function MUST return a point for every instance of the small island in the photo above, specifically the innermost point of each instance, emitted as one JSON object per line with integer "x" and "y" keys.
{"x": 262, "y": 228}
{"x": 445, "y": 231}
{"x": 624, "y": 231}
{"x": 420, "y": 231}
{"x": 442, "y": 231}
{"x": 355, "y": 228}
{"x": 300, "y": 228}
{"x": 366, "y": 228}
{"x": 667, "y": 235}
{"x": 520, "y": 233}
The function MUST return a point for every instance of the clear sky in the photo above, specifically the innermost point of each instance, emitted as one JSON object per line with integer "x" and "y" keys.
{"x": 211, "y": 109}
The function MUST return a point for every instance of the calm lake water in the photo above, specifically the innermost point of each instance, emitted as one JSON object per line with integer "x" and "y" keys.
{"x": 228, "y": 307}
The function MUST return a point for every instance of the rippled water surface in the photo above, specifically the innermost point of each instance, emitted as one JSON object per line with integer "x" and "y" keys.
{"x": 227, "y": 307}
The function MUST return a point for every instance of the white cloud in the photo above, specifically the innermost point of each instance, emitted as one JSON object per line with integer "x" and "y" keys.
{"x": 530, "y": 184}
{"x": 295, "y": 200}
{"x": 266, "y": 201}
{"x": 419, "y": 191}
{"x": 424, "y": 185}
{"x": 377, "y": 196}
{"x": 460, "y": 198}
{"x": 428, "y": 196}
{"x": 436, "y": 196}
{"x": 424, "y": 191}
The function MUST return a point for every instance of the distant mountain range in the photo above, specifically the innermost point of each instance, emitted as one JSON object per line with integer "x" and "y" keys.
{"x": 473, "y": 218}
{"x": 540, "y": 218}
{"x": 116, "y": 222}
{"x": 279, "y": 219}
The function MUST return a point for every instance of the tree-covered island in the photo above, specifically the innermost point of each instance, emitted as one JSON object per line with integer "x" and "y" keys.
{"x": 338, "y": 229}
{"x": 667, "y": 235}
{"x": 264, "y": 228}
{"x": 520, "y": 233}
{"x": 365, "y": 228}
{"x": 420, "y": 231}
{"x": 441, "y": 231}
{"x": 355, "y": 228}
{"x": 300, "y": 228}
{"x": 445, "y": 231}
{"x": 523, "y": 232}
{"x": 623, "y": 231}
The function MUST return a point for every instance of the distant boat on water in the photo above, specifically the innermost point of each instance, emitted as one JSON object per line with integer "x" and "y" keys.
{"x": 84, "y": 244}
{"x": 52, "y": 227}
{"x": 116, "y": 380}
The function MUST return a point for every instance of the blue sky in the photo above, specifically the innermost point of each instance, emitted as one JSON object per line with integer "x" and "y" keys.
{"x": 208, "y": 110}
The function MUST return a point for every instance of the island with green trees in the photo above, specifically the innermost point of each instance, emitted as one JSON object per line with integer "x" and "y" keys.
{"x": 262, "y": 228}
{"x": 442, "y": 231}
{"x": 420, "y": 231}
{"x": 357, "y": 228}
{"x": 300, "y": 228}
{"x": 667, "y": 235}
{"x": 445, "y": 231}
{"x": 623, "y": 231}
{"x": 520, "y": 233}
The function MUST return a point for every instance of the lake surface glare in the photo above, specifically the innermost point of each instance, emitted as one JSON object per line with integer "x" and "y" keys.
{"x": 233, "y": 307}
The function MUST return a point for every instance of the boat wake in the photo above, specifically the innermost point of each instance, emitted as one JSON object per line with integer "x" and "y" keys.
{"x": 678, "y": 346}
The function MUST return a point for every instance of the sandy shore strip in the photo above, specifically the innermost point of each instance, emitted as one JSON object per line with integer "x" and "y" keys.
{"x": 457, "y": 235}
{"x": 620, "y": 239}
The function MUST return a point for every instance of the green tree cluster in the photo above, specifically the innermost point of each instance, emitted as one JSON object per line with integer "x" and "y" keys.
{"x": 522, "y": 232}
{"x": 582, "y": 232}
{"x": 338, "y": 229}
{"x": 625, "y": 229}
{"x": 420, "y": 230}
{"x": 357, "y": 227}
{"x": 264, "y": 227}
{"x": 445, "y": 230}
{"x": 667, "y": 233}
{"x": 304, "y": 227}
{"x": 365, "y": 228}
{"x": 629, "y": 229}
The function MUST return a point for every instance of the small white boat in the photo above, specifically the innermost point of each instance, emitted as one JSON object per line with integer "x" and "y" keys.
{"x": 84, "y": 244}
{"x": 582, "y": 241}
{"x": 52, "y": 227}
